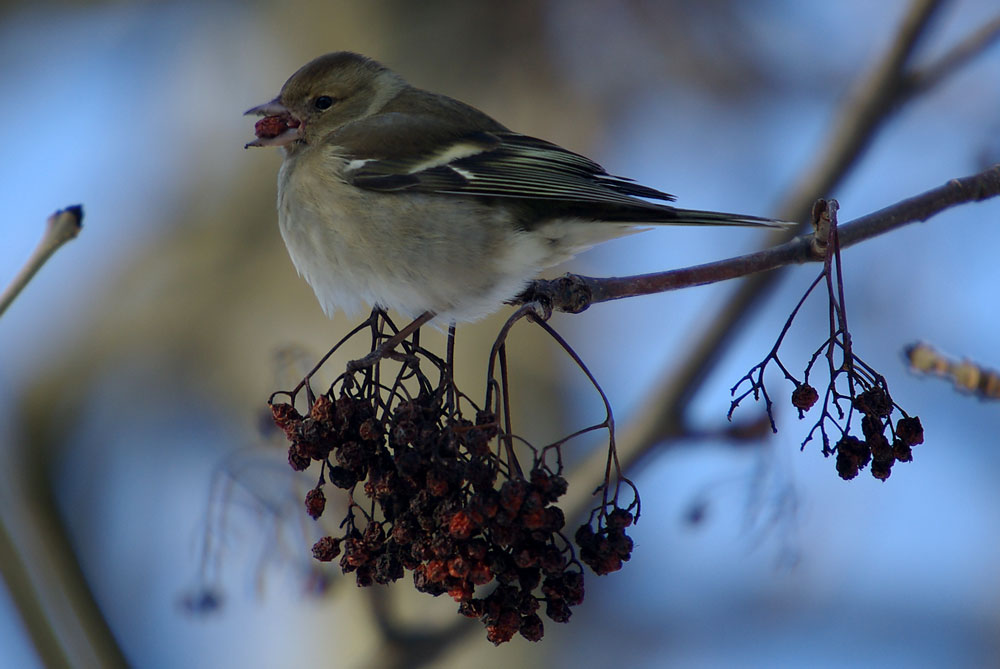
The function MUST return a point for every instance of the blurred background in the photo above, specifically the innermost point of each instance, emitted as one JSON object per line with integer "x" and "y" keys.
{"x": 135, "y": 368}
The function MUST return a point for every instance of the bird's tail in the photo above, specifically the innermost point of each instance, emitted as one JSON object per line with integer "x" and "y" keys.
{"x": 676, "y": 216}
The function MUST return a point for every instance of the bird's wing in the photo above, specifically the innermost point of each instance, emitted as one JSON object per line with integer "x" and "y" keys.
{"x": 440, "y": 157}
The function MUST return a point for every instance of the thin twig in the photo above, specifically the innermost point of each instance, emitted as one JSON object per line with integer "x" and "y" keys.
{"x": 61, "y": 227}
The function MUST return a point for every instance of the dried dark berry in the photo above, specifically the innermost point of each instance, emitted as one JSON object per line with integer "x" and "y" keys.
{"x": 872, "y": 427}
{"x": 296, "y": 459}
{"x": 326, "y": 549}
{"x": 558, "y": 610}
{"x": 341, "y": 477}
{"x": 621, "y": 544}
{"x": 505, "y": 627}
{"x": 458, "y": 567}
{"x": 528, "y": 603}
{"x": 532, "y": 628}
{"x": 270, "y": 127}
{"x": 555, "y": 519}
{"x": 460, "y": 591}
{"x": 472, "y": 608}
{"x": 480, "y": 574}
{"x": 388, "y": 568}
{"x": 374, "y": 535}
{"x": 901, "y": 451}
{"x": 881, "y": 450}
{"x": 852, "y": 455}
{"x": 356, "y": 553}
{"x": 804, "y": 397}
{"x": 534, "y": 518}
{"x": 322, "y": 411}
{"x": 476, "y": 549}
{"x": 529, "y": 578}
{"x": 461, "y": 525}
{"x": 314, "y": 439}
{"x": 369, "y": 430}
{"x": 619, "y": 519}
{"x": 512, "y": 494}
{"x": 286, "y": 418}
{"x": 847, "y": 465}
{"x": 315, "y": 503}
{"x": 557, "y": 488}
{"x": 364, "y": 576}
{"x": 910, "y": 430}
{"x": 525, "y": 557}
{"x": 553, "y": 561}
{"x": 573, "y": 588}
{"x": 408, "y": 462}
{"x": 881, "y": 469}
{"x": 353, "y": 456}
{"x": 437, "y": 482}
{"x": 873, "y": 402}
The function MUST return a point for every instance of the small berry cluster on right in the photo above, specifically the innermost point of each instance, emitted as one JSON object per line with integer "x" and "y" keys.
{"x": 854, "y": 388}
{"x": 853, "y": 454}
{"x": 606, "y": 549}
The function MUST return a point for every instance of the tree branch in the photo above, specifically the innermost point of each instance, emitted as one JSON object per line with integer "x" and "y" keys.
{"x": 574, "y": 293}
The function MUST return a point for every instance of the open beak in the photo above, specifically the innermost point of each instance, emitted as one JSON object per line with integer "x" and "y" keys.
{"x": 278, "y": 126}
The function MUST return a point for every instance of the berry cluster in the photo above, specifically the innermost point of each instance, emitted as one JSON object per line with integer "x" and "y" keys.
{"x": 854, "y": 454}
{"x": 876, "y": 407}
{"x": 853, "y": 385}
{"x": 443, "y": 504}
{"x": 606, "y": 549}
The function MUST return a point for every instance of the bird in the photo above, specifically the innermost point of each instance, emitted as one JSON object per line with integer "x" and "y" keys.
{"x": 400, "y": 198}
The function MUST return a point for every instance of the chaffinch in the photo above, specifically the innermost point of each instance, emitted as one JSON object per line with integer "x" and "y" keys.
{"x": 393, "y": 196}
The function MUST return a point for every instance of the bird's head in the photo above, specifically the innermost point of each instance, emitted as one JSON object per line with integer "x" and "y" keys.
{"x": 323, "y": 96}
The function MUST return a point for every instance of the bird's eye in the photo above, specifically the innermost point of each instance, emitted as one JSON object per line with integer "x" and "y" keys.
{"x": 323, "y": 102}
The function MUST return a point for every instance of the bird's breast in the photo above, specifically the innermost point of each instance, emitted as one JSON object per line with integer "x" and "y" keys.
{"x": 412, "y": 252}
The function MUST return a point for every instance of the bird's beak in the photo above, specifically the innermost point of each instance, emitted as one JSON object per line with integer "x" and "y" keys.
{"x": 278, "y": 126}
{"x": 272, "y": 108}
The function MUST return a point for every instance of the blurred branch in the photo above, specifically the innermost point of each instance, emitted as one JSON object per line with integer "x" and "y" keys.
{"x": 877, "y": 96}
{"x": 574, "y": 293}
{"x": 36, "y": 561}
{"x": 44, "y": 579}
{"x": 928, "y": 76}
{"x": 61, "y": 227}
{"x": 969, "y": 376}
{"x": 18, "y": 581}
